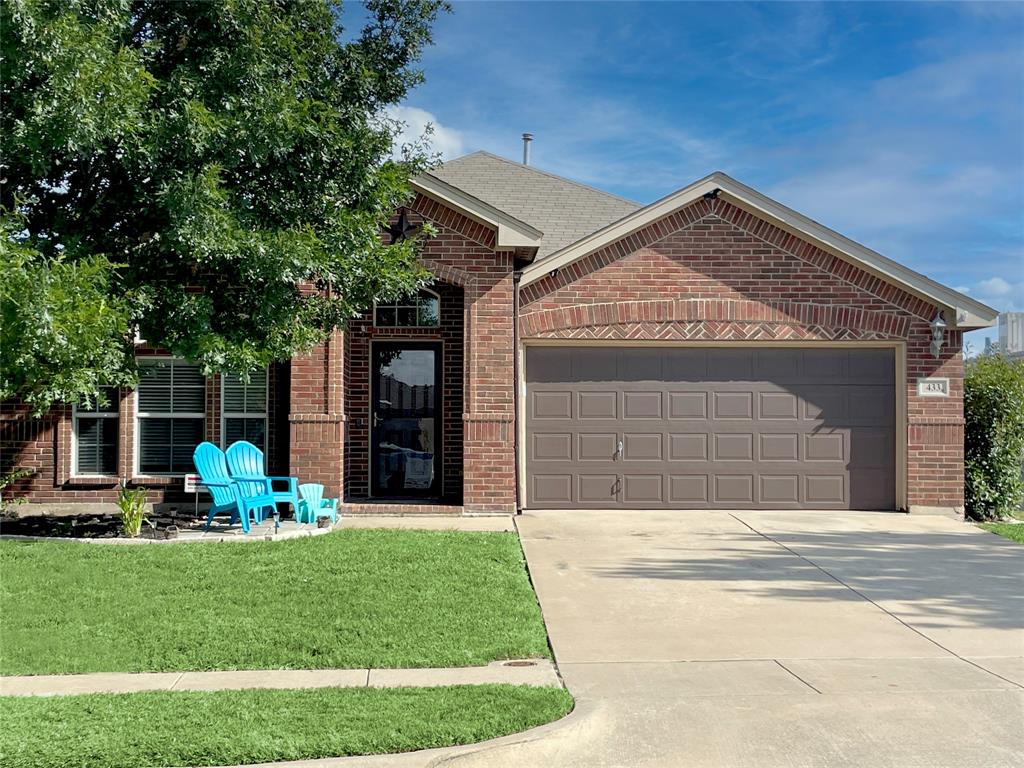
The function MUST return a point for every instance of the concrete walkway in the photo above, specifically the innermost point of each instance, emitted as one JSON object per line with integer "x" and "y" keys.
{"x": 539, "y": 672}
{"x": 764, "y": 640}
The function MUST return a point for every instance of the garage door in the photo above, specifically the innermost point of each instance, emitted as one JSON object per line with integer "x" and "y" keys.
{"x": 692, "y": 428}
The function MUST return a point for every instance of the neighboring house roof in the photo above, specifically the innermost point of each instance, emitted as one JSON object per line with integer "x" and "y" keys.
{"x": 563, "y": 210}
{"x": 567, "y": 221}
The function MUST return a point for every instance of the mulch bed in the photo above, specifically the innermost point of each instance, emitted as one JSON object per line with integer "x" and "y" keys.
{"x": 95, "y": 526}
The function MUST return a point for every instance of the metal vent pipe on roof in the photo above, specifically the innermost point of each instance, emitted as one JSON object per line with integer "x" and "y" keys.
{"x": 527, "y": 138}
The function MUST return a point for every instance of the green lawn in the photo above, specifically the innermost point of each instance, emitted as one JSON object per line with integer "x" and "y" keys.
{"x": 229, "y": 727}
{"x": 352, "y": 598}
{"x": 1012, "y": 531}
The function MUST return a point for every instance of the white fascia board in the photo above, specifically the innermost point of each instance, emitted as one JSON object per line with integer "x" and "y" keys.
{"x": 962, "y": 311}
{"x": 511, "y": 232}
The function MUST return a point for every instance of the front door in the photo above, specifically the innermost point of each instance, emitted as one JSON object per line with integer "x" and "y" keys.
{"x": 405, "y": 416}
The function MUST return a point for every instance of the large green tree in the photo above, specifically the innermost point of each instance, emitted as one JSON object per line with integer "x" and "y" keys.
{"x": 198, "y": 164}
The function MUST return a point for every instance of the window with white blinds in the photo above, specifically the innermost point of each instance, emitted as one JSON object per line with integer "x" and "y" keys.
{"x": 170, "y": 413}
{"x": 95, "y": 427}
{"x": 244, "y": 409}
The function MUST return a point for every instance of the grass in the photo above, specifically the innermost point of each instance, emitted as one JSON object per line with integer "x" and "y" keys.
{"x": 1011, "y": 531}
{"x": 352, "y": 598}
{"x": 230, "y": 727}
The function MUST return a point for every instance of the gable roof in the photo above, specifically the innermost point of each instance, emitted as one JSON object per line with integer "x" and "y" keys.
{"x": 566, "y": 221}
{"x": 962, "y": 311}
{"x": 563, "y": 210}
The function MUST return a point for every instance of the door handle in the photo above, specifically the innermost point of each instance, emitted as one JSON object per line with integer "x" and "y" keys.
{"x": 376, "y": 420}
{"x": 618, "y": 450}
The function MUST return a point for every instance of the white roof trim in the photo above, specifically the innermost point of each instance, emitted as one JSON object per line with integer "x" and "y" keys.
{"x": 964, "y": 312}
{"x": 511, "y": 232}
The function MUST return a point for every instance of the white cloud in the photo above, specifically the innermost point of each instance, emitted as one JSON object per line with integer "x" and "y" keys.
{"x": 999, "y": 293}
{"x": 449, "y": 142}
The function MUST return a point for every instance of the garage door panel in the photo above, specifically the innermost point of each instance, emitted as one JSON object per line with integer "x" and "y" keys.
{"x": 868, "y": 367}
{"x": 731, "y": 365}
{"x": 871, "y": 448}
{"x": 642, "y": 405}
{"x": 688, "y": 405}
{"x": 688, "y": 446}
{"x": 807, "y": 428}
{"x": 777, "y": 365}
{"x": 642, "y": 446}
{"x": 871, "y": 406}
{"x": 686, "y": 365}
{"x": 778, "y": 405}
{"x": 688, "y": 489}
{"x": 869, "y": 489}
{"x": 592, "y": 363}
{"x": 553, "y": 490}
{"x": 825, "y": 446}
{"x": 596, "y": 446}
{"x": 597, "y": 488}
{"x": 551, "y": 405}
{"x": 640, "y": 365}
{"x": 825, "y": 365}
{"x": 734, "y": 489}
{"x": 601, "y": 404}
{"x": 733, "y": 405}
{"x": 778, "y": 447}
{"x": 824, "y": 490}
{"x": 545, "y": 446}
{"x": 734, "y": 447}
{"x": 823, "y": 405}
{"x": 779, "y": 489}
{"x": 642, "y": 489}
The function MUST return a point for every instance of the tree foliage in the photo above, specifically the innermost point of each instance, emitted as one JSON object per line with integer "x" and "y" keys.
{"x": 192, "y": 168}
{"x": 993, "y": 436}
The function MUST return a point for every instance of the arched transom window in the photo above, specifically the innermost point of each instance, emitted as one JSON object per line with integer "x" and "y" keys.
{"x": 420, "y": 311}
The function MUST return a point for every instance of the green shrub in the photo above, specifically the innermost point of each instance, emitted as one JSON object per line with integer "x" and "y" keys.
{"x": 993, "y": 436}
{"x": 10, "y": 479}
{"x": 131, "y": 502}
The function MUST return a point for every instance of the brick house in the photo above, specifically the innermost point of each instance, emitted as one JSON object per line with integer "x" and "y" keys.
{"x": 711, "y": 349}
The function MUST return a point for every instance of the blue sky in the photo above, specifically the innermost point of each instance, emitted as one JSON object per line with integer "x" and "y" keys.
{"x": 900, "y": 125}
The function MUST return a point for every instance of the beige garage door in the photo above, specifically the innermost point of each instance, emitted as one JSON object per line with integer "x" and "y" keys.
{"x": 692, "y": 428}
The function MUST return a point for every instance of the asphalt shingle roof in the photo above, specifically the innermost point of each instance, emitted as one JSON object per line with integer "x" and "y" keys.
{"x": 563, "y": 210}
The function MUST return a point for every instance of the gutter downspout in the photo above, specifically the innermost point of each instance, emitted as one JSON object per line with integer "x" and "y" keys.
{"x": 517, "y": 275}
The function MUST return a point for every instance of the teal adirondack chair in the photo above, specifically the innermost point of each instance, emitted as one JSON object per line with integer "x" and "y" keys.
{"x": 245, "y": 462}
{"x": 227, "y": 495}
{"x": 313, "y": 504}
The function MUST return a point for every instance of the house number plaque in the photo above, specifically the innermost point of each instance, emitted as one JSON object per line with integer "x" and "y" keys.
{"x": 933, "y": 387}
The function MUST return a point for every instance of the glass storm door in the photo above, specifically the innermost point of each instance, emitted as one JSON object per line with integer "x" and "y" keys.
{"x": 405, "y": 420}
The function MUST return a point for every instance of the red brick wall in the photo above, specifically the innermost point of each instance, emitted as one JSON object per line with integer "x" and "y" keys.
{"x": 357, "y": 393}
{"x": 45, "y": 445}
{"x": 713, "y": 272}
{"x": 317, "y": 416}
{"x": 463, "y": 254}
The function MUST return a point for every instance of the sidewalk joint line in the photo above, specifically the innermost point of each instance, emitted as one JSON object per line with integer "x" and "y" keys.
{"x": 794, "y": 674}
{"x": 861, "y": 595}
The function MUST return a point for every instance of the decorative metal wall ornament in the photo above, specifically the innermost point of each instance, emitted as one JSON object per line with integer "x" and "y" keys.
{"x": 402, "y": 229}
{"x": 938, "y": 326}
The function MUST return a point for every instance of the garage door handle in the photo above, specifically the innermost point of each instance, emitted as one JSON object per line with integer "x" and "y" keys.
{"x": 618, "y": 450}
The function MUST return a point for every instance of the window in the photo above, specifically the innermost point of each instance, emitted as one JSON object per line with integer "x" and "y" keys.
{"x": 244, "y": 410}
{"x": 95, "y": 428}
{"x": 420, "y": 311}
{"x": 170, "y": 410}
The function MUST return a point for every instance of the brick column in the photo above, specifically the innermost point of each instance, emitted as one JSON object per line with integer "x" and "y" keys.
{"x": 488, "y": 445}
{"x": 316, "y": 417}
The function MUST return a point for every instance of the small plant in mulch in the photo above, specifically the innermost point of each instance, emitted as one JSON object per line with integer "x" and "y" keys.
{"x": 9, "y": 479}
{"x": 131, "y": 503}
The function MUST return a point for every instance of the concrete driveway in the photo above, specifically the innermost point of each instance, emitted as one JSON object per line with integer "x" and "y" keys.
{"x": 783, "y": 639}
{"x": 769, "y": 639}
